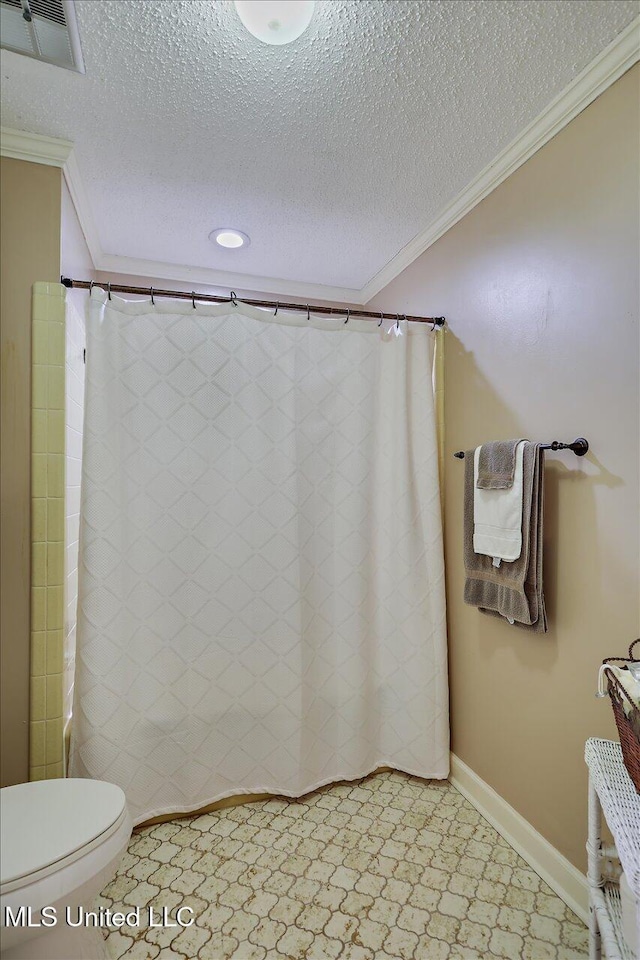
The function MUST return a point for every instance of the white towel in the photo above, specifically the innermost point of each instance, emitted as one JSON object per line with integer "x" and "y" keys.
{"x": 497, "y": 515}
{"x": 626, "y": 679}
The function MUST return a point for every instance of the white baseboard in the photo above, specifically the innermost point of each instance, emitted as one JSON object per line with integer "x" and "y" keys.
{"x": 561, "y": 875}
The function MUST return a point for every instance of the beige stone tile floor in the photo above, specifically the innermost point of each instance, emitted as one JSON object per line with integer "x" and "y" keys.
{"x": 389, "y": 867}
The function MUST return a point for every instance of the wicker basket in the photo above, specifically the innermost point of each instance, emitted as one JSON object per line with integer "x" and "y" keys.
{"x": 629, "y": 740}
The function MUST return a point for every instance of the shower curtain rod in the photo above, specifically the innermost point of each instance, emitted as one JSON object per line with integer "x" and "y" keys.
{"x": 232, "y": 298}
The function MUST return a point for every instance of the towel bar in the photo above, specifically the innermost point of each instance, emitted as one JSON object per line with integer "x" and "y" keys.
{"x": 579, "y": 447}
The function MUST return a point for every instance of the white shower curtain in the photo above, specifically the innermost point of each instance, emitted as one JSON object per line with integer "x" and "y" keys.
{"x": 261, "y": 600}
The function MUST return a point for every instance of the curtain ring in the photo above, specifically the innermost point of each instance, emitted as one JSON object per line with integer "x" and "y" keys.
{"x": 348, "y": 315}
{"x": 381, "y": 318}
{"x": 153, "y": 302}
{"x": 275, "y": 312}
{"x": 109, "y": 290}
{"x": 433, "y": 325}
{"x": 91, "y": 286}
{"x": 193, "y": 299}
{"x": 234, "y": 300}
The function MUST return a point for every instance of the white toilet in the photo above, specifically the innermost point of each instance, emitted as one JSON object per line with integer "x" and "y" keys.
{"x": 62, "y": 841}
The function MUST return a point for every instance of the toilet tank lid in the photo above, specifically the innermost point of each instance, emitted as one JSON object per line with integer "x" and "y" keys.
{"x": 48, "y": 820}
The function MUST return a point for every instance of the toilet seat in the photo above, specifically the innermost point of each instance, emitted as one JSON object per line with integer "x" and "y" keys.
{"x": 48, "y": 824}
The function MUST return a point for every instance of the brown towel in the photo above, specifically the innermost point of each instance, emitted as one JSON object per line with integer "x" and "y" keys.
{"x": 512, "y": 591}
{"x": 496, "y": 464}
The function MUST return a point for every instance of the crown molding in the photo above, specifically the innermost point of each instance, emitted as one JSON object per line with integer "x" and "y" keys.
{"x": 607, "y": 67}
{"x": 21, "y": 145}
{"x": 156, "y": 269}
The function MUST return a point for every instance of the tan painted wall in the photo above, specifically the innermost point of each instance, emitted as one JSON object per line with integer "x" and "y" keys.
{"x": 540, "y": 286}
{"x": 30, "y": 248}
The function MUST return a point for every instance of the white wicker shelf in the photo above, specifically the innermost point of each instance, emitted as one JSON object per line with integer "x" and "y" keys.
{"x": 612, "y": 793}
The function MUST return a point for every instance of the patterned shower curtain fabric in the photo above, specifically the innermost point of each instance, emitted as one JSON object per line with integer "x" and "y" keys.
{"x": 261, "y": 597}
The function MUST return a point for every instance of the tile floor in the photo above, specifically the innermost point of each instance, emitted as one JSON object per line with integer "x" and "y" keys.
{"x": 388, "y": 867}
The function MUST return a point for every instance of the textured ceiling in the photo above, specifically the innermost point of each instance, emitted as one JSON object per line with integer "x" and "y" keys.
{"x": 331, "y": 153}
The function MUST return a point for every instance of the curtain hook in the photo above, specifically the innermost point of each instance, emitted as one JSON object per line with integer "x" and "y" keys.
{"x": 234, "y": 300}
{"x": 434, "y": 325}
{"x": 381, "y": 318}
{"x": 109, "y": 290}
{"x": 348, "y": 315}
{"x": 193, "y": 299}
{"x": 153, "y": 302}
{"x": 275, "y": 312}
{"x": 397, "y": 321}
{"x": 91, "y": 286}
{"x": 308, "y": 314}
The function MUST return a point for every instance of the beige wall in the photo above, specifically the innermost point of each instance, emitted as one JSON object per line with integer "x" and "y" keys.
{"x": 539, "y": 284}
{"x": 30, "y": 248}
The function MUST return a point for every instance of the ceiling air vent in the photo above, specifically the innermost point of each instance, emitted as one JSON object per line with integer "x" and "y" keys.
{"x": 44, "y": 29}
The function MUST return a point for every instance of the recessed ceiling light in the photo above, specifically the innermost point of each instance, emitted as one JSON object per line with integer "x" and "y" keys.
{"x": 230, "y": 239}
{"x": 275, "y": 21}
